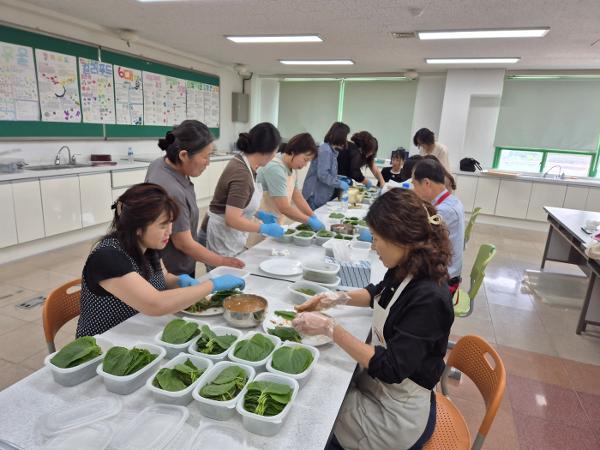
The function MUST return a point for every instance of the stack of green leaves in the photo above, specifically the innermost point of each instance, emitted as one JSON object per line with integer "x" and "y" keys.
{"x": 227, "y": 385}
{"x": 286, "y": 334}
{"x": 177, "y": 378}
{"x": 77, "y": 352}
{"x": 266, "y": 398}
{"x": 179, "y": 331}
{"x": 303, "y": 227}
{"x": 215, "y": 301}
{"x": 257, "y": 348}
{"x": 292, "y": 360}
{"x": 212, "y": 344}
{"x": 121, "y": 361}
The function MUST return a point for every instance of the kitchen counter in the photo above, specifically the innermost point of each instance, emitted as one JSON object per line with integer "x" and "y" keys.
{"x": 537, "y": 178}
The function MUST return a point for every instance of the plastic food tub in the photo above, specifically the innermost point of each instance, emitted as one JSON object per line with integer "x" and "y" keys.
{"x": 267, "y": 425}
{"x": 320, "y": 272}
{"x": 78, "y": 374}
{"x": 96, "y": 436}
{"x": 300, "y": 297}
{"x": 213, "y": 408}
{"x": 174, "y": 349}
{"x": 333, "y": 285}
{"x": 302, "y": 241}
{"x": 219, "y": 331}
{"x": 256, "y": 365}
{"x": 127, "y": 384}
{"x": 320, "y": 240}
{"x": 221, "y": 436}
{"x": 287, "y": 236}
{"x": 301, "y": 378}
{"x": 360, "y": 250}
{"x": 225, "y": 270}
{"x": 184, "y": 396}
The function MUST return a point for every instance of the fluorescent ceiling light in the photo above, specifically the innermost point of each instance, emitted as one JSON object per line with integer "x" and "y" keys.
{"x": 553, "y": 77}
{"x": 484, "y": 34}
{"x": 472, "y": 60}
{"x": 273, "y": 39}
{"x": 323, "y": 62}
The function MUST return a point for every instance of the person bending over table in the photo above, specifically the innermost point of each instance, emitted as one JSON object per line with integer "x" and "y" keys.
{"x": 391, "y": 403}
{"x": 360, "y": 152}
{"x": 124, "y": 274}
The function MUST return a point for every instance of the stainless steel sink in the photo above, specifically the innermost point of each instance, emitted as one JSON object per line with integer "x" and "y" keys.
{"x": 56, "y": 166}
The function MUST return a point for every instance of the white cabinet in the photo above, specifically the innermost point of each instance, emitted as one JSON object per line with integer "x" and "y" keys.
{"x": 96, "y": 198}
{"x": 28, "y": 210}
{"x": 202, "y": 184}
{"x": 61, "y": 204}
{"x": 593, "y": 200}
{"x": 545, "y": 194}
{"x": 466, "y": 189}
{"x": 126, "y": 178}
{"x": 487, "y": 194}
{"x": 214, "y": 173}
{"x": 576, "y": 197}
{"x": 8, "y": 221}
{"x": 513, "y": 199}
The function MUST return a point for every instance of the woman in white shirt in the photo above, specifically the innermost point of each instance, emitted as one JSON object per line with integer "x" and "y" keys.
{"x": 424, "y": 139}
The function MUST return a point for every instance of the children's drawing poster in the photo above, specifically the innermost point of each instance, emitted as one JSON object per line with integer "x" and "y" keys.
{"x": 155, "y": 106}
{"x": 18, "y": 87}
{"x": 97, "y": 92}
{"x": 129, "y": 96}
{"x": 195, "y": 100}
{"x": 58, "y": 87}
{"x": 211, "y": 105}
{"x": 175, "y": 100}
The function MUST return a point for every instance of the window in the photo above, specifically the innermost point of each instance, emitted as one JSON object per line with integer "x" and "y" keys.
{"x": 520, "y": 160}
{"x": 571, "y": 164}
{"x": 540, "y": 160}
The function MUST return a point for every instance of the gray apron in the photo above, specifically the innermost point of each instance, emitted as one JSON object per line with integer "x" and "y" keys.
{"x": 377, "y": 415}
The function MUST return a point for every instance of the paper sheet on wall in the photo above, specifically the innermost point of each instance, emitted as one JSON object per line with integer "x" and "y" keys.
{"x": 211, "y": 106}
{"x": 154, "y": 101}
{"x": 97, "y": 92}
{"x": 175, "y": 99}
{"x": 195, "y": 100}
{"x": 58, "y": 87}
{"x": 129, "y": 96}
{"x": 18, "y": 87}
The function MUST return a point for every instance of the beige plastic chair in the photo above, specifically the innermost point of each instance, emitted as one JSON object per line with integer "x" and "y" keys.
{"x": 61, "y": 306}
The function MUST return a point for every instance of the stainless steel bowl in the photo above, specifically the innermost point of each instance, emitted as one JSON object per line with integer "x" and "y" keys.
{"x": 246, "y": 319}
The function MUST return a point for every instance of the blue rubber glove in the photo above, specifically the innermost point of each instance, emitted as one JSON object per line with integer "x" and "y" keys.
{"x": 266, "y": 217}
{"x": 315, "y": 223}
{"x": 343, "y": 185}
{"x": 227, "y": 282}
{"x": 271, "y": 229}
{"x": 365, "y": 235}
{"x": 185, "y": 281}
{"x": 369, "y": 185}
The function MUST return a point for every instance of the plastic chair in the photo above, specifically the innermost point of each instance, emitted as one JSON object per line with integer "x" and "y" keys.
{"x": 463, "y": 301}
{"x": 469, "y": 227}
{"x": 61, "y": 306}
{"x": 477, "y": 359}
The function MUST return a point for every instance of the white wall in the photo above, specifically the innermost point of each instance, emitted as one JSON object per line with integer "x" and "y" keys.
{"x": 428, "y": 104}
{"x": 481, "y": 129}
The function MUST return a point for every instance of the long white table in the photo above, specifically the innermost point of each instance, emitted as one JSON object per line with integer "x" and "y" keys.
{"x": 308, "y": 425}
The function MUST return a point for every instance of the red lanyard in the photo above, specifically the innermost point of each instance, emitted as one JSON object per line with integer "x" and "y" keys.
{"x": 442, "y": 198}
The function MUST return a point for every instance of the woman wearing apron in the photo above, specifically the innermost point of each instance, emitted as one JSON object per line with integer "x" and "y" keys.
{"x": 391, "y": 405}
{"x": 237, "y": 196}
{"x": 279, "y": 181}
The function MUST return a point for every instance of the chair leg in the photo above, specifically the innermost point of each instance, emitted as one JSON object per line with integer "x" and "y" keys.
{"x": 51, "y": 347}
{"x": 455, "y": 374}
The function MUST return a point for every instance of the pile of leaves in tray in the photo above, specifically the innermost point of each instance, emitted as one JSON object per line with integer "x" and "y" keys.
{"x": 336, "y": 216}
{"x": 177, "y": 378}
{"x": 212, "y": 344}
{"x": 346, "y": 237}
{"x": 81, "y": 350}
{"x": 180, "y": 331}
{"x": 324, "y": 234}
{"x": 286, "y": 334}
{"x": 227, "y": 385}
{"x": 266, "y": 398}
{"x": 215, "y": 301}
{"x": 290, "y": 231}
{"x": 257, "y": 348}
{"x": 121, "y": 361}
{"x": 303, "y": 227}
{"x": 292, "y": 360}
{"x": 287, "y": 315}
{"x": 305, "y": 234}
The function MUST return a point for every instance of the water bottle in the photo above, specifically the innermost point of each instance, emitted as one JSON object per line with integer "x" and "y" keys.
{"x": 344, "y": 200}
{"x": 130, "y": 155}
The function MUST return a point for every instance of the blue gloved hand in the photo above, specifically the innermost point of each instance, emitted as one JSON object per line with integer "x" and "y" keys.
{"x": 315, "y": 223}
{"x": 227, "y": 282}
{"x": 343, "y": 185}
{"x": 266, "y": 217}
{"x": 185, "y": 281}
{"x": 271, "y": 229}
{"x": 365, "y": 235}
{"x": 368, "y": 184}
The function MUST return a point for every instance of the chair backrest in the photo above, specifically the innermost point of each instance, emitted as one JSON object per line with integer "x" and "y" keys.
{"x": 469, "y": 227}
{"x": 61, "y": 306}
{"x": 484, "y": 256}
{"x": 478, "y": 360}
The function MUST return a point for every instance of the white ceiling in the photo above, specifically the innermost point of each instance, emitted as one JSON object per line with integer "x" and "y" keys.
{"x": 355, "y": 29}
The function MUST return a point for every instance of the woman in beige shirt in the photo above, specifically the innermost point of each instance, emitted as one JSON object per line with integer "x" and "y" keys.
{"x": 424, "y": 139}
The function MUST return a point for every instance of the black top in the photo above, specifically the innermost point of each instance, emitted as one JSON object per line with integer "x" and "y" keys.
{"x": 387, "y": 175}
{"x": 350, "y": 161}
{"x": 416, "y": 332}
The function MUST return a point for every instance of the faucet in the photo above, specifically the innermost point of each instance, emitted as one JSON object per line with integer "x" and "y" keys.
{"x": 560, "y": 175}
{"x": 57, "y": 158}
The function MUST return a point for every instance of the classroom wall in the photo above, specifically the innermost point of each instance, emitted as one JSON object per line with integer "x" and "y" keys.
{"x": 428, "y": 104}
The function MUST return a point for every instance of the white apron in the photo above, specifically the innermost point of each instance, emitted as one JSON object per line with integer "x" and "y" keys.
{"x": 227, "y": 241}
{"x": 381, "y": 416}
{"x": 268, "y": 204}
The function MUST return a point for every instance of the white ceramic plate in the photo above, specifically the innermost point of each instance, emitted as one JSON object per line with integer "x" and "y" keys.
{"x": 284, "y": 267}
{"x": 273, "y": 320}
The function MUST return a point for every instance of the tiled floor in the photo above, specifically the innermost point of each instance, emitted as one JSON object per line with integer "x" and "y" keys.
{"x": 552, "y": 400}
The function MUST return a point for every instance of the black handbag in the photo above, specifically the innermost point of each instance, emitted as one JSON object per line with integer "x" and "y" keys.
{"x": 470, "y": 165}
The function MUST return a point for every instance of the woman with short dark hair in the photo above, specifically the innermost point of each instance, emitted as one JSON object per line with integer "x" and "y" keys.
{"x": 424, "y": 139}
{"x": 360, "y": 152}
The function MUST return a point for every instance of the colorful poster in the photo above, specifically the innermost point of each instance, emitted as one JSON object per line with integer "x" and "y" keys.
{"x": 154, "y": 101}
{"x": 129, "y": 96}
{"x": 18, "y": 87}
{"x": 175, "y": 99}
{"x": 58, "y": 87}
{"x": 211, "y": 106}
{"x": 97, "y": 93}
{"x": 195, "y": 100}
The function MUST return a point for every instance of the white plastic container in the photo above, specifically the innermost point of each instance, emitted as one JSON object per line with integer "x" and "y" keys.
{"x": 360, "y": 250}
{"x": 174, "y": 349}
{"x": 301, "y": 378}
{"x": 184, "y": 396}
{"x": 153, "y": 428}
{"x": 320, "y": 240}
{"x": 287, "y": 237}
{"x": 267, "y": 425}
{"x": 302, "y": 241}
{"x": 127, "y": 384}
{"x": 332, "y": 286}
{"x": 219, "y": 331}
{"x": 96, "y": 436}
{"x": 83, "y": 372}
{"x": 225, "y": 270}
{"x": 320, "y": 271}
{"x": 257, "y": 365}
{"x": 215, "y": 409}
{"x": 220, "y": 436}
{"x": 300, "y": 297}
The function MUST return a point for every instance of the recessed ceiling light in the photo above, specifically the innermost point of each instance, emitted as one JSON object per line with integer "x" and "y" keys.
{"x": 273, "y": 39}
{"x": 323, "y": 62}
{"x": 484, "y": 34}
{"x": 472, "y": 60}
